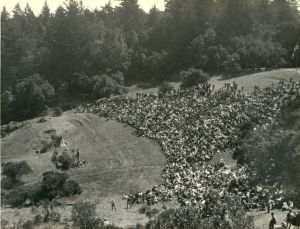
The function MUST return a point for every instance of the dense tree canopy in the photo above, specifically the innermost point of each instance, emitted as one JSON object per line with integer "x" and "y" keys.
{"x": 216, "y": 36}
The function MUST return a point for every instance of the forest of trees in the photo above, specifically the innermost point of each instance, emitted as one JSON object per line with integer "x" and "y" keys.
{"x": 79, "y": 51}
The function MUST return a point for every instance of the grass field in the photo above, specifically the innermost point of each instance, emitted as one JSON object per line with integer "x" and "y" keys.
{"x": 118, "y": 161}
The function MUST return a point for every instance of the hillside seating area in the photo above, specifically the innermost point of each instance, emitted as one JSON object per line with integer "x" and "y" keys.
{"x": 192, "y": 125}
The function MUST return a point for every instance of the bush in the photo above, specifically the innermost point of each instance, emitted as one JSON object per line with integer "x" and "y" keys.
{"x": 10, "y": 127}
{"x": 7, "y": 183}
{"x": 193, "y": 77}
{"x": 84, "y": 215}
{"x": 37, "y": 219}
{"x": 57, "y": 111}
{"x": 42, "y": 120}
{"x": 45, "y": 146}
{"x": 56, "y": 140}
{"x": 65, "y": 160}
{"x": 165, "y": 88}
{"x": 71, "y": 187}
{"x": 57, "y": 184}
{"x": 27, "y": 224}
{"x": 151, "y": 213}
{"x": 14, "y": 170}
{"x": 16, "y": 197}
{"x": 53, "y": 185}
{"x": 144, "y": 209}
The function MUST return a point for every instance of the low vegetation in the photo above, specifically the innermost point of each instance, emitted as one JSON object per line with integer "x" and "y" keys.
{"x": 57, "y": 111}
{"x": 12, "y": 171}
{"x": 53, "y": 185}
{"x": 84, "y": 216}
{"x": 193, "y": 77}
{"x": 10, "y": 127}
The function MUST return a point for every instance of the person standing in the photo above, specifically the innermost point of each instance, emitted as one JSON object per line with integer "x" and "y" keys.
{"x": 272, "y": 221}
{"x": 113, "y": 205}
{"x": 290, "y": 218}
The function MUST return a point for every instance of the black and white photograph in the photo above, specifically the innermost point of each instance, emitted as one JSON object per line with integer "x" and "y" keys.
{"x": 150, "y": 114}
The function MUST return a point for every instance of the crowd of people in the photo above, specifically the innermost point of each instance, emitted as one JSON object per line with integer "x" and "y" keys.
{"x": 194, "y": 124}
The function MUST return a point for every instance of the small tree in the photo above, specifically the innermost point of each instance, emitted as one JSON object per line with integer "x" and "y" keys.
{"x": 193, "y": 77}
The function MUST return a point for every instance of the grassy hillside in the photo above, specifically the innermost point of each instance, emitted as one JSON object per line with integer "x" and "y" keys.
{"x": 117, "y": 160}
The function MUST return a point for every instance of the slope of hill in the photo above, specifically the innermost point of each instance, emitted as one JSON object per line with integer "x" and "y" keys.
{"x": 117, "y": 160}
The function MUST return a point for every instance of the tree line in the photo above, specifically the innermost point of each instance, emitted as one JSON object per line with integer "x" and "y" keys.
{"x": 82, "y": 51}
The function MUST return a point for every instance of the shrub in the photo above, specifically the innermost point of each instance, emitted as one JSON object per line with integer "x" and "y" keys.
{"x": 14, "y": 170}
{"x": 84, "y": 215}
{"x": 53, "y": 184}
{"x": 193, "y": 77}
{"x": 151, "y": 213}
{"x": 49, "y": 131}
{"x": 56, "y": 140}
{"x": 16, "y": 197}
{"x": 144, "y": 209}
{"x": 45, "y": 146}
{"x": 165, "y": 88}
{"x": 36, "y": 192}
{"x": 7, "y": 183}
{"x": 71, "y": 187}
{"x": 41, "y": 120}
{"x": 57, "y": 111}
{"x": 27, "y": 224}
{"x": 65, "y": 160}
{"x": 10, "y": 127}
{"x": 37, "y": 219}
{"x": 55, "y": 217}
